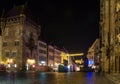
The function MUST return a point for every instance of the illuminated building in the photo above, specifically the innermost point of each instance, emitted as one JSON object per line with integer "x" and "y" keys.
{"x": 109, "y": 35}
{"x": 93, "y": 54}
{"x": 19, "y": 38}
{"x": 21, "y": 49}
{"x": 67, "y": 61}
{"x": 50, "y": 56}
{"x": 42, "y": 53}
{"x": 57, "y": 57}
{"x": 42, "y": 56}
{"x": 64, "y": 58}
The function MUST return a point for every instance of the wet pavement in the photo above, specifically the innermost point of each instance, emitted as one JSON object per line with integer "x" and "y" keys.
{"x": 53, "y": 78}
{"x": 115, "y": 78}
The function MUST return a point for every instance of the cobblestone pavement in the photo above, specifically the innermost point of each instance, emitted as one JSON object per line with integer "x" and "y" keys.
{"x": 115, "y": 78}
{"x": 54, "y": 78}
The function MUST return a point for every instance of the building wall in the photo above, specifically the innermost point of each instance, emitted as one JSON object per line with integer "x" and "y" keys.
{"x": 117, "y": 39}
{"x": 30, "y": 42}
{"x": 57, "y": 57}
{"x": 12, "y": 41}
{"x": 109, "y": 27}
{"x": 90, "y": 57}
{"x": 93, "y": 53}
{"x": 42, "y": 53}
{"x": 16, "y": 32}
{"x": 50, "y": 56}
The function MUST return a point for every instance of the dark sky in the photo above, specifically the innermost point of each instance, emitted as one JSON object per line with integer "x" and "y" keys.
{"x": 71, "y": 24}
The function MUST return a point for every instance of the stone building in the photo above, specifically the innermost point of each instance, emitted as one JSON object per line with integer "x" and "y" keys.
{"x": 19, "y": 38}
{"x": 109, "y": 35}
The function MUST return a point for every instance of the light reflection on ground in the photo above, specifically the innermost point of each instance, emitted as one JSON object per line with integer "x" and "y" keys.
{"x": 53, "y": 78}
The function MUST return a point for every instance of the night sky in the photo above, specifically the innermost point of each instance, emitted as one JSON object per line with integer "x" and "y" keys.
{"x": 71, "y": 24}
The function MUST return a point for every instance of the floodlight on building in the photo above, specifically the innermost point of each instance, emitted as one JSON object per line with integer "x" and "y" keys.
{"x": 30, "y": 61}
{"x": 9, "y": 60}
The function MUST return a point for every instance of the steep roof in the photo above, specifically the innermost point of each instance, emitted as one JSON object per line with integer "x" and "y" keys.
{"x": 20, "y": 9}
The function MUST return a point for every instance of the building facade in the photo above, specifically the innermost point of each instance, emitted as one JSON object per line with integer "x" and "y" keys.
{"x": 49, "y": 57}
{"x": 42, "y": 53}
{"x": 93, "y": 54}
{"x": 57, "y": 56}
{"x": 20, "y": 48}
{"x": 19, "y": 39}
{"x": 109, "y": 35}
{"x": 51, "y": 54}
